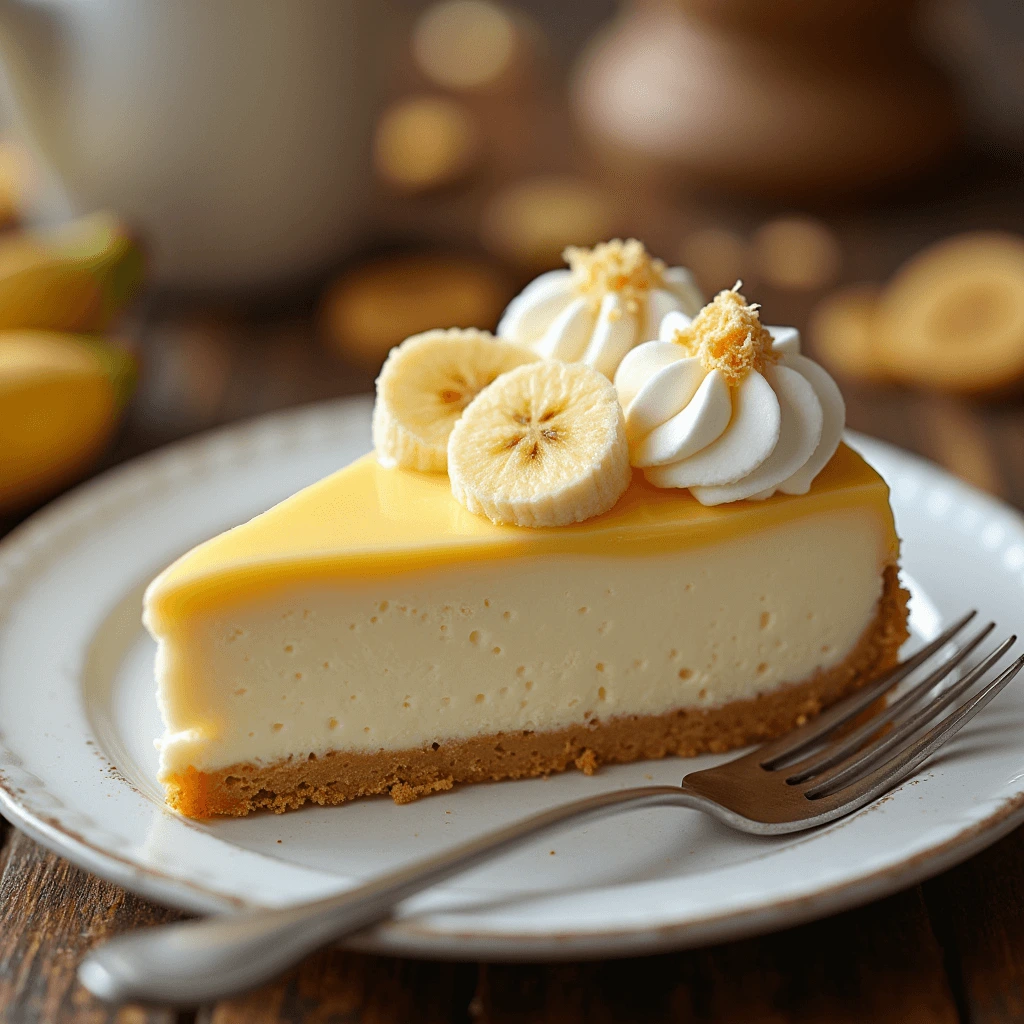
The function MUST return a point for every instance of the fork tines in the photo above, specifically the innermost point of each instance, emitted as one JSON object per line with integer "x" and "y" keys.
{"x": 824, "y": 762}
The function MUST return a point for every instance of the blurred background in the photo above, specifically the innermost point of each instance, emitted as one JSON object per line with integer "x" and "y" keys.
{"x": 214, "y": 210}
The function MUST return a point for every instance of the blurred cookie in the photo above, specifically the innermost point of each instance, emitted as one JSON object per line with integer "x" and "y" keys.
{"x": 374, "y": 307}
{"x": 844, "y": 334}
{"x": 465, "y": 44}
{"x": 425, "y": 141}
{"x": 796, "y": 253}
{"x": 531, "y": 222}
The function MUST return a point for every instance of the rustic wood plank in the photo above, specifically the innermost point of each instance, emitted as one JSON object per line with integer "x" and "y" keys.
{"x": 978, "y": 913}
{"x": 954, "y": 433}
{"x": 50, "y": 914}
{"x": 335, "y": 985}
{"x": 880, "y": 963}
{"x": 881, "y": 412}
{"x": 284, "y": 366}
{"x": 651, "y": 989}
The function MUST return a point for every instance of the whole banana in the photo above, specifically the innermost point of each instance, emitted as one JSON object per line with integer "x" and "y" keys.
{"x": 60, "y": 399}
{"x": 74, "y": 278}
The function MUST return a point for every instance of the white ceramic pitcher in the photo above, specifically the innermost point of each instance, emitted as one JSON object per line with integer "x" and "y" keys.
{"x": 233, "y": 132}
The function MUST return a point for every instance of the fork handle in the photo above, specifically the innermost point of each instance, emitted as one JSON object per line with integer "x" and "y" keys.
{"x": 200, "y": 961}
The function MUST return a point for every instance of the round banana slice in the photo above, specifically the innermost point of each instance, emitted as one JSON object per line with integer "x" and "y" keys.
{"x": 424, "y": 386}
{"x": 953, "y": 317}
{"x": 545, "y": 445}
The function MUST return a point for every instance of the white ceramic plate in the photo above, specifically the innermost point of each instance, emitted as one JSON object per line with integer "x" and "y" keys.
{"x": 77, "y": 717}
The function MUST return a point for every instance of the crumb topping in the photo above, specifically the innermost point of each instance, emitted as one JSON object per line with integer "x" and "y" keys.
{"x": 728, "y": 335}
{"x": 615, "y": 266}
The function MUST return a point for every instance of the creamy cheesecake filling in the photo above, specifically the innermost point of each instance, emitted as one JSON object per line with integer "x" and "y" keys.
{"x": 404, "y": 660}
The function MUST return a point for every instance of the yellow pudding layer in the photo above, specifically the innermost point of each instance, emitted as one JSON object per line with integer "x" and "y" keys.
{"x": 366, "y": 521}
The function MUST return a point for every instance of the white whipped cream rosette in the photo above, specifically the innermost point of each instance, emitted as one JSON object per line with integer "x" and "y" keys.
{"x": 610, "y": 299}
{"x": 728, "y": 408}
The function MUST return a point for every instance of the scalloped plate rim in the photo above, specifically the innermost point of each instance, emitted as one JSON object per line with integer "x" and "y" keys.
{"x": 409, "y": 936}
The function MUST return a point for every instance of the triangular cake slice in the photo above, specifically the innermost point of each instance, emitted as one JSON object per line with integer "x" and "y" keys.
{"x": 369, "y": 635}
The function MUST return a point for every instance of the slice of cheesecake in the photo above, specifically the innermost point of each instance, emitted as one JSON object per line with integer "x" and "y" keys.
{"x": 370, "y": 635}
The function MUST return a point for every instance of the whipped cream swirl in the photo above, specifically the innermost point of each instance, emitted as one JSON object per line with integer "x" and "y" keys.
{"x": 611, "y": 298}
{"x": 728, "y": 408}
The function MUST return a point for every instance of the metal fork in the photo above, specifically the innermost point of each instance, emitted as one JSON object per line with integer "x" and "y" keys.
{"x": 813, "y": 775}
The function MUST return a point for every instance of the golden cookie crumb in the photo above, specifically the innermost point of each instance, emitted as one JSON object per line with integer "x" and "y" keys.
{"x": 403, "y": 793}
{"x": 587, "y": 762}
{"x": 728, "y": 336}
{"x": 615, "y": 266}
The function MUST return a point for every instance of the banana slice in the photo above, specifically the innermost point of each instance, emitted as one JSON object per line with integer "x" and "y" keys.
{"x": 424, "y": 386}
{"x": 543, "y": 446}
{"x": 953, "y": 316}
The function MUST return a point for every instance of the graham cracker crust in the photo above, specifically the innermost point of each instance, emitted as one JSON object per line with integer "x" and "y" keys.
{"x": 338, "y": 776}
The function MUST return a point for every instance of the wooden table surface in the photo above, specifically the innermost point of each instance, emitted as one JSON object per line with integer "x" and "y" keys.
{"x": 949, "y": 950}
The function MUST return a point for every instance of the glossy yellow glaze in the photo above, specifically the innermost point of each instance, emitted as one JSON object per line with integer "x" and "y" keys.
{"x": 366, "y": 521}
